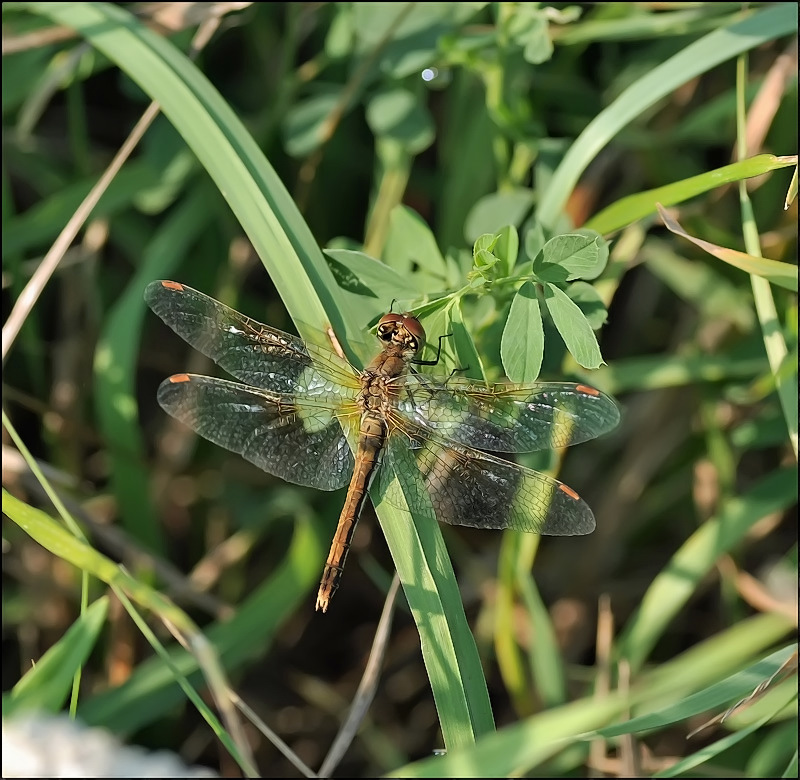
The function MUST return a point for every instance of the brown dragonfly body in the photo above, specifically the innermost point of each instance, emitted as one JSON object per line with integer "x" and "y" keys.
{"x": 380, "y": 388}
{"x": 299, "y": 411}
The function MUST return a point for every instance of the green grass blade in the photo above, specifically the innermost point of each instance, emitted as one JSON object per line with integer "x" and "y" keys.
{"x": 152, "y": 690}
{"x": 634, "y": 207}
{"x": 46, "y": 685}
{"x": 709, "y": 51}
{"x": 648, "y": 373}
{"x": 517, "y": 749}
{"x": 720, "y": 694}
{"x": 670, "y": 590}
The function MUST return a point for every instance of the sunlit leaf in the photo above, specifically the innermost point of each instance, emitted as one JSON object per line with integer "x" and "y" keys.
{"x": 571, "y": 256}
{"x": 522, "y": 345}
{"x": 507, "y": 247}
{"x": 573, "y": 327}
{"x": 642, "y": 204}
{"x": 589, "y": 302}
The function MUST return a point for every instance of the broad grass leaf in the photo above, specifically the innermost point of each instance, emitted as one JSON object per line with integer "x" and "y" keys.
{"x": 782, "y": 274}
{"x": 46, "y": 685}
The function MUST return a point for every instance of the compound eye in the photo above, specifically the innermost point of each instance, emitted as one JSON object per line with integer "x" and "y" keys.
{"x": 414, "y": 327}
{"x": 389, "y": 319}
{"x": 388, "y": 325}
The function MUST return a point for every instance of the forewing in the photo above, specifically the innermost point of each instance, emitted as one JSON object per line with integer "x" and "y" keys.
{"x": 252, "y": 352}
{"x": 300, "y": 442}
{"x": 471, "y": 488}
{"x": 508, "y": 417}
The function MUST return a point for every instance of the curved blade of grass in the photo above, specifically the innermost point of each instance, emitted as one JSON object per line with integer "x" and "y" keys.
{"x": 782, "y": 274}
{"x": 639, "y": 27}
{"x": 649, "y": 373}
{"x": 46, "y": 685}
{"x": 307, "y": 287}
{"x": 719, "y": 694}
{"x": 153, "y": 687}
{"x": 715, "y": 658}
{"x": 634, "y": 207}
{"x": 151, "y": 690}
{"x": 715, "y": 748}
{"x": 515, "y": 750}
{"x": 704, "y": 54}
{"x": 509, "y": 655}
{"x": 678, "y": 581}
{"x": 775, "y": 344}
{"x": 59, "y": 541}
{"x": 55, "y": 538}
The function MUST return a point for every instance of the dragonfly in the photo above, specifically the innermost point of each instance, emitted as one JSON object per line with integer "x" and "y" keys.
{"x": 302, "y": 413}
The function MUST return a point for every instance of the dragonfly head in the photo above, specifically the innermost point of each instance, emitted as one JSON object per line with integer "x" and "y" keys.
{"x": 405, "y": 330}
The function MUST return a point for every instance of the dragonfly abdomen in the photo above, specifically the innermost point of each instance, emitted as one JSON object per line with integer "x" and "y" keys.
{"x": 371, "y": 437}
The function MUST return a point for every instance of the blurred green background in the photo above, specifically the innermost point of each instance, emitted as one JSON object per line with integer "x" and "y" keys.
{"x": 407, "y": 131}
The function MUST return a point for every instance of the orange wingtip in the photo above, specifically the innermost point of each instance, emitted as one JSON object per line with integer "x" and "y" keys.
{"x": 173, "y": 286}
{"x": 586, "y": 389}
{"x": 570, "y": 492}
{"x": 175, "y": 378}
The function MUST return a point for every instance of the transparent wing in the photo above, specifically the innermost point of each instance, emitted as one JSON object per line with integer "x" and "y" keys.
{"x": 508, "y": 417}
{"x": 298, "y": 441}
{"x": 252, "y": 352}
{"x": 471, "y": 488}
